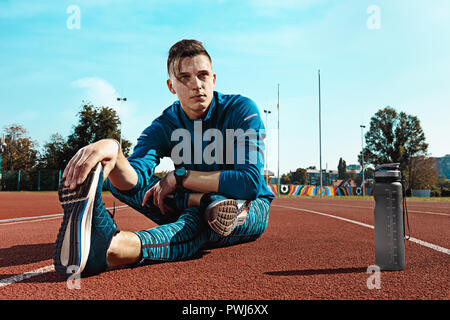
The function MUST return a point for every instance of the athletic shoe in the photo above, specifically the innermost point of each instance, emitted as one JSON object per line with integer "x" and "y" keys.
{"x": 86, "y": 230}
{"x": 223, "y": 214}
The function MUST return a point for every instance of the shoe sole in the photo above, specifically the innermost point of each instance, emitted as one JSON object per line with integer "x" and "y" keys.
{"x": 73, "y": 240}
{"x": 223, "y": 216}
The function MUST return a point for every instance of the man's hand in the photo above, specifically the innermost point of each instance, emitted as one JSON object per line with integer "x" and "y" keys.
{"x": 160, "y": 191}
{"x": 78, "y": 168}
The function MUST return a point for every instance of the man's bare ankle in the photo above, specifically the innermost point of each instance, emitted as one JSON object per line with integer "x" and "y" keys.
{"x": 125, "y": 249}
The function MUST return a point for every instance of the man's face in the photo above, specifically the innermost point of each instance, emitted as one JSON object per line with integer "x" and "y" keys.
{"x": 194, "y": 85}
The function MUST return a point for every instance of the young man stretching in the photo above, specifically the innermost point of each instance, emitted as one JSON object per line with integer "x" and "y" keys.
{"x": 216, "y": 194}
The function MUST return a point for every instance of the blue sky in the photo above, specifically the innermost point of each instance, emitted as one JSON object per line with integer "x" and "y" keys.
{"x": 121, "y": 49}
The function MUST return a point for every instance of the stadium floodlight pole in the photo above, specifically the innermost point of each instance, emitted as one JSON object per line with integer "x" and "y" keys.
{"x": 362, "y": 159}
{"x": 120, "y": 107}
{"x": 267, "y": 112}
{"x": 278, "y": 109}
{"x": 2, "y": 149}
{"x": 320, "y": 139}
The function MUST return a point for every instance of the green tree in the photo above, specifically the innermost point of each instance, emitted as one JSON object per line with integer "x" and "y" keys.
{"x": 423, "y": 173}
{"x": 394, "y": 138}
{"x": 53, "y": 156}
{"x": 286, "y": 178}
{"x": 20, "y": 152}
{"x": 342, "y": 169}
{"x": 444, "y": 185}
{"x": 94, "y": 124}
{"x": 299, "y": 177}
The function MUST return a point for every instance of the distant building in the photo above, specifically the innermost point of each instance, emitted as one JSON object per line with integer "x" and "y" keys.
{"x": 443, "y": 166}
{"x": 353, "y": 167}
{"x": 327, "y": 177}
{"x": 274, "y": 180}
{"x": 268, "y": 175}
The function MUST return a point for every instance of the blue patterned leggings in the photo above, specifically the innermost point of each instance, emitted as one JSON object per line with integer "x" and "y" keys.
{"x": 180, "y": 235}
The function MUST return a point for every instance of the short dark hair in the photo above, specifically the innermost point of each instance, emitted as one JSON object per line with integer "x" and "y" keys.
{"x": 182, "y": 49}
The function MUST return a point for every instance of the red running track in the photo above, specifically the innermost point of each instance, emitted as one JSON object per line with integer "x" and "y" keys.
{"x": 306, "y": 253}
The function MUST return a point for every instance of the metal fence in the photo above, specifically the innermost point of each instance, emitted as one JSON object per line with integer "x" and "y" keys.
{"x": 30, "y": 180}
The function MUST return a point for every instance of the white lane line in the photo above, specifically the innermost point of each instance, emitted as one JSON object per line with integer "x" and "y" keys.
{"x": 41, "y": 218}
{"x": 30, "y": 274}
{"x": 414, "y": 211}
{"x": 410, "y": 203}
{"x": 418, "y": 241}
{"x": 29, "y": 218}
{"x": 27, "y": 275}
{"x": 429, "y": 212}
{"x": 327, "y": 215}
{"x": 18, "y": 222}
{"x": 430, "y": 245}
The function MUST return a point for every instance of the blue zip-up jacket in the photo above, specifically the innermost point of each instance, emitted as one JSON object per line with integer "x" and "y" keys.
{"x": 233, "y": 120}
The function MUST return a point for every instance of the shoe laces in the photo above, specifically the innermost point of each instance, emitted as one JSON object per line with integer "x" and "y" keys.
{"x": 114, "y": 210}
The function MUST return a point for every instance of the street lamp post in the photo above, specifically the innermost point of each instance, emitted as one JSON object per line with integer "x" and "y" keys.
{"x": 121, "y": 99}
{"x": 267, "y": 112}
{"x": 278, "y": 112}
{"x": 320, "y": 139}
{"x": 362, "y": 159}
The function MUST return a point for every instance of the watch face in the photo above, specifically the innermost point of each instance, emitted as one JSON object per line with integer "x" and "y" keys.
{"x": 180, "y": 171}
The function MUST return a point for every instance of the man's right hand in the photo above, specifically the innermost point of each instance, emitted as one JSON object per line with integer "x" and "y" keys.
{"x": 105, "y": 151}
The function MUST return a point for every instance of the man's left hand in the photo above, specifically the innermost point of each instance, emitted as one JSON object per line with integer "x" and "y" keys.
{"x": 160, "y": 191}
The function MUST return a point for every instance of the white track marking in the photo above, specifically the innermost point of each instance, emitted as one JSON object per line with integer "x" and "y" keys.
{"x": 27, "y": 275}
{"x": 30, "y": 274}
{"x": 41, "y": 218}
{"x": 428, "y": 212}
{"x": 418, "y": 241}
{"x": 328, "y": 215}
{"x": 18, "y": 222}
{"x": 413, "y": 211}
{"x": 430, "y": 245}
{"x": 23, "y": 219}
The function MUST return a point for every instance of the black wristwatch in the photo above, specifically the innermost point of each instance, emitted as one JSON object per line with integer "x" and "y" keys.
{"x": 180, "y": 174}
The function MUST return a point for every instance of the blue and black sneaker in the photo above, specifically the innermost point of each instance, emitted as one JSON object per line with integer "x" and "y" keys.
{"x": 223, "y": 214}
{"x": 86, "y": 230}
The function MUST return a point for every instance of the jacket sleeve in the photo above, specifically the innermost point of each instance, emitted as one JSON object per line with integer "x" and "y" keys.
{"x": 244, "y": 179}
{"x": 150, "y": 148}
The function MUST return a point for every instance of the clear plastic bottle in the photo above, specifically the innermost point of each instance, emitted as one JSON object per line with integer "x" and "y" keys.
{"x": 389, "y": 222}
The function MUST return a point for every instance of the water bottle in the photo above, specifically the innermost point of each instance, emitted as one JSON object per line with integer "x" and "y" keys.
{"x": 389, "y": 219}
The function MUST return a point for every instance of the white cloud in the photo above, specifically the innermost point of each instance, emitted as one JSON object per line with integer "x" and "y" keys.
{"x": 98, "y": 91}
